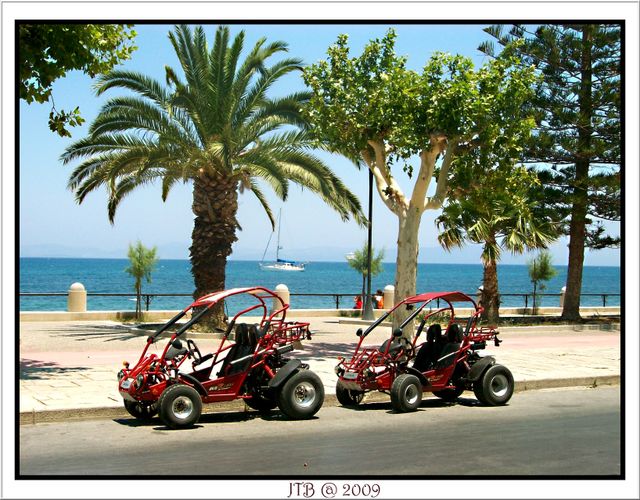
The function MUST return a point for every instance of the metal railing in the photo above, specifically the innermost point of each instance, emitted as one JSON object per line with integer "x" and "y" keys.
{"x": 147, "y": 297}
{"x": 336, "y": 297}
{"x": 526, "y": 296}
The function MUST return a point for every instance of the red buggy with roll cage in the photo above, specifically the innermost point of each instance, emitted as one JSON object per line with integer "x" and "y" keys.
{"x": 252, "y": 367}
{"x": 446, "y": 363}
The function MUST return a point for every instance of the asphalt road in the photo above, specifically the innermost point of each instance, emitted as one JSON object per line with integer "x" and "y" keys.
{"x": 548, "y": 432}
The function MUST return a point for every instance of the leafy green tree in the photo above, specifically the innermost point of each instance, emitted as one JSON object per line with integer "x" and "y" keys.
{"x": 498, "y": 209}
{"x": 540, "y": 270}
{"x": 142, "y": 262}
{"x": 578, "y": 136}
{"x": 358, "y": 262}
{"x": 372, "y": 108}
{"x": 217, "y": 128}
{"x": 47, "y": 52}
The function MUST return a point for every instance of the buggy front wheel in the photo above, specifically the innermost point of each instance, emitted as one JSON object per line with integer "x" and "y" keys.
{"x": 406, "y": 393}
{"x": 180, "y": 406}
{"x": 348, "y": 397}
{"x": 495, "y": 387}
{"x": 301, "y": 396}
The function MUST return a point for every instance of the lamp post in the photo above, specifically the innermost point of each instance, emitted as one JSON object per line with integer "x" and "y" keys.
{"x": 367, "y": 308}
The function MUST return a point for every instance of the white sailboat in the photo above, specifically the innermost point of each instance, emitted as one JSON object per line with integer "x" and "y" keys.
{"x": 280, "y": 264}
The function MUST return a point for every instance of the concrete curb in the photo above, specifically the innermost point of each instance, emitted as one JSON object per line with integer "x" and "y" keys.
{"x": 39, "y": 417}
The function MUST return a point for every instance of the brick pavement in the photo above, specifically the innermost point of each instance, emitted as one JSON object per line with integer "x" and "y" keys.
{"x": 73, "y": 365}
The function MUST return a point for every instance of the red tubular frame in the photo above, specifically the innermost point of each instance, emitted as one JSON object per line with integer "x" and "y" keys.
{"x": 279, "y": 332}
{"x": 365, "y": 359}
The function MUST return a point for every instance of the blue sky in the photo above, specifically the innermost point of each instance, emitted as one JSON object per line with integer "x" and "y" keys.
{"x": 52, "y": 224}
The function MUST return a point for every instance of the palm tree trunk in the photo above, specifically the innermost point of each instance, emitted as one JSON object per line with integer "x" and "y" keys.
{"x": 215, "y": 204}
{"x": 490, "y": 296}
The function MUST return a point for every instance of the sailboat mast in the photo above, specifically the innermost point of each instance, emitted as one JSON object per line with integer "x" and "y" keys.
{"x": 278, "y": 243}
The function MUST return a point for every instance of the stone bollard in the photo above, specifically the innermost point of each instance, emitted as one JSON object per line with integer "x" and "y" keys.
{"x": 388, "y": 296}
{"x": 563, "y": 291}
{"x": 77, "y": 298}
{"x": 282, "y": 291}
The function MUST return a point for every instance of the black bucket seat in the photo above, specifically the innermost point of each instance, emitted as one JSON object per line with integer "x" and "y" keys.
{"x": 246, "y": 341}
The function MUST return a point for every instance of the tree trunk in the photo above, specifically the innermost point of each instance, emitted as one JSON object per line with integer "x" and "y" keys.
{"x": 577, "y": 227}
{"x": 215, "y": 204}
{"x": 406, "y": 265}
{"x": 490, "y": 296}
{"x": 138, "y": 299}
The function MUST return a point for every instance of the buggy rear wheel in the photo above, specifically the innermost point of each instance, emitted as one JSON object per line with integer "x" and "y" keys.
{"x": 141, "y": 410}
{"x": 301, "y": 396}
{"x": 348, "y": 397}
{"x": 449, "y": 395}
{"x": 406, "y": 393}
{"x": 180, "y": 406}
{"x": 495, "y": 387}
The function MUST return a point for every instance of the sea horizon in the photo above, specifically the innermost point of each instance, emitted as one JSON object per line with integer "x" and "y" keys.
{"x": 390, "y": 262}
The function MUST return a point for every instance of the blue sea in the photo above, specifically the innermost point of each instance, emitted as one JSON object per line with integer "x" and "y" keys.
{"x": 174, "y": 276}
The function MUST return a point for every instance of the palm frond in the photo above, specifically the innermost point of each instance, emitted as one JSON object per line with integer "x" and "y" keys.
{"x": 255, "y": 189}
{"x": 136, "y": 82}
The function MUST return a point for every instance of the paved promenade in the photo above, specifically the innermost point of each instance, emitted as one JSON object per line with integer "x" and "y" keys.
{"x": 67, "y": 366}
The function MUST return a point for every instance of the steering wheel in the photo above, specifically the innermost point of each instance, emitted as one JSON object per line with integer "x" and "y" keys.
{"x": 408, "y": 348}
{"x": 194, "y": 351}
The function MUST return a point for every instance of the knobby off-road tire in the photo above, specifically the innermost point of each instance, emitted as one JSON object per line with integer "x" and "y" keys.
{"x": 495, "y": 387}
{"x": 301, "y": 396}
{"x": 261, "y": 403}
{"x": 180, "y": 406}
{"x": 348, "y": 397}
{"x": 406, "y": 393}
{"x": 449, "y": 395}
{"x": 142, "y": 411}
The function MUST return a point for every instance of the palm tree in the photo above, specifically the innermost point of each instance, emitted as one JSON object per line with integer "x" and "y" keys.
{"x": 142, "y": 262}
{"x": 540, "y": 270}
{"x": 358, "y": 262}
{"x": 500, "y": 210}
{"x": 217, "y": 128}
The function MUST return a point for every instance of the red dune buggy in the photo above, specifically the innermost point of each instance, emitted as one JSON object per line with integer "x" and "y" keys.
{"x": 177, "y": 382}
{"x": 446, "y": 363}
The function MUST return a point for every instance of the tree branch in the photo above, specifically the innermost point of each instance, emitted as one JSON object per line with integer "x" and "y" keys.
{"x": 443, "y": 178}
{"x": 382, "y": 186}
{"x": 427, "y": 165}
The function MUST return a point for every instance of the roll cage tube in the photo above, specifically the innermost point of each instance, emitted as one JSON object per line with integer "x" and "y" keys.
{"x": 194, "y": 320}
{"x": 167, "y": 325}
{"x": 406, "y": 321}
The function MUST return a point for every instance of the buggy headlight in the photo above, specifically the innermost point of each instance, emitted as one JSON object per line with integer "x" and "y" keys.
{"x": 120, "y": 374}
{"x": 139, "y": 381}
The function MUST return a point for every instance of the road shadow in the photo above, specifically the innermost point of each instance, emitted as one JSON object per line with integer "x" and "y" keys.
{"x": 424, "y": 405}
{"x": 106, "y": 333}
{"x": 31, "y": 369}
{"x": 210, "y": 418}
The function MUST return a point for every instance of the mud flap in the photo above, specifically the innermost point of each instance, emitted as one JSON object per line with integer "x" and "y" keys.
{"x": 478, "y": 368}
{"x": 284, "y": 373}
{"x": 195, "y": 382}
{"x": 417, "y": 373}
